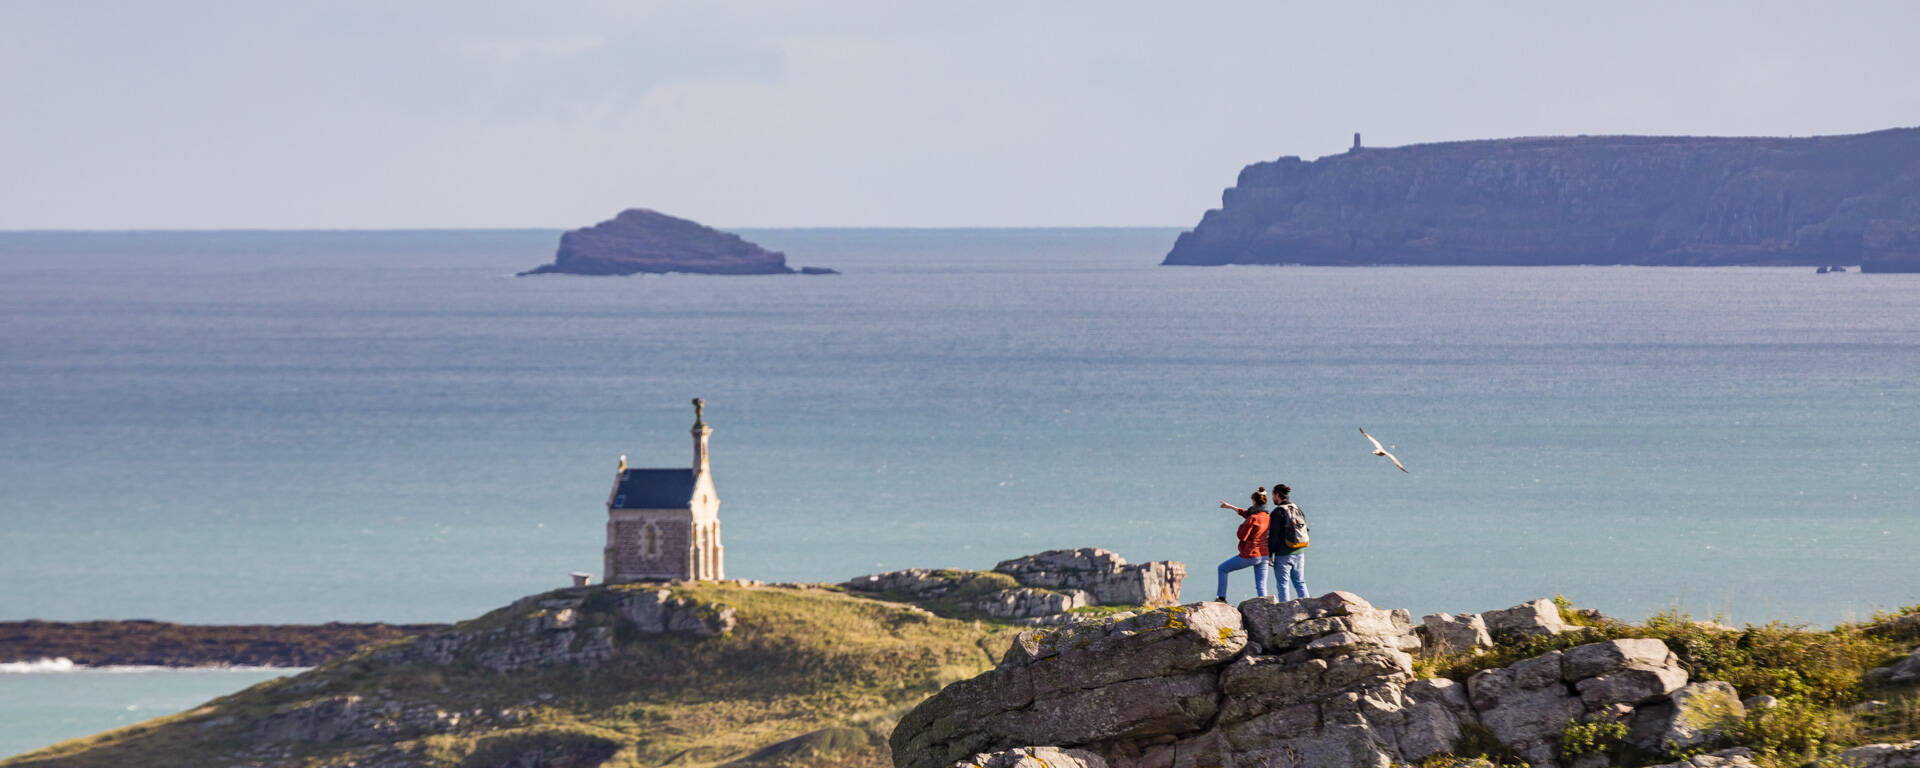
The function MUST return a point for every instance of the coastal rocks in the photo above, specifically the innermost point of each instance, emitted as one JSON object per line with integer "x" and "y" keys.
{"x": 1538, "y": 618}
{"x": 1027, "y": 602}
{"x": 362, "y": 720}
{"x": 1444, "y": 633}
{"x": 1903, "y": 755}
{"x": 917, "y": 583}
{"x": 1046, "y": 586}
{"x": 1697, "y": 714}
{"x": 1325, "y": 681}
{"x": 1655, "y": 200}
{"x": 657, "y": 611}
{"x": 1906, "y": 670}
{"x": 639, "y": 240}
{"x": 1738, "y": 757}
{"x": 552, "y": 630}
{"x": 1105, "y": 576}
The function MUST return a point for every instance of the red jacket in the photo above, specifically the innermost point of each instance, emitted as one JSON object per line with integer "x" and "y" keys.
{"x": 1253, "y": 533}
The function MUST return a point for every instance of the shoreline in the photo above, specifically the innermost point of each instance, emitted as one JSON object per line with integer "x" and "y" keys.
{"x": 42, "y": 645}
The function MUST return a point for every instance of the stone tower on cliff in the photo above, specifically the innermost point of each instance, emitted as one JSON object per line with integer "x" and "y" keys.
{"x": 665, "y": 523}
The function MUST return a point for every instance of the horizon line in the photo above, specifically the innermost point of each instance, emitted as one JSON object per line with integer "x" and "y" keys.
{"x": 233, "y": 230}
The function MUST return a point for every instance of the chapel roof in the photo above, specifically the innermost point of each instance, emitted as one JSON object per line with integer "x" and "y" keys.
{"x": 654, "y": 489}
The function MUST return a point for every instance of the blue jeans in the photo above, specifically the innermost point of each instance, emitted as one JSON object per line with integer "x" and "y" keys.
{"x": 1290, "y": 567}
{"x": 1236, "y": 563}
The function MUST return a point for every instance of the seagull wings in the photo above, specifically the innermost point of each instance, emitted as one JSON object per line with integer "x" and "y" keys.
{"x": 1380, "y": 450}
{"x": 1396, "y": 462}
{"x": 1376, "y": 443}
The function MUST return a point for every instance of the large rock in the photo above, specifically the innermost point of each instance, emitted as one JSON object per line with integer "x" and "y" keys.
{"x": 1906, "y": 670}
{"x": 1903, "y": 755}
{"x": 1538, "y": 618}
{"x": 1140, "y": 676}
{"x": 1445, "y": 633}
{"x": 640, "y": 240}
{"x": 1697, "y": 714}
{"x": 1105, "y": 576}
{"x": 1631, "y": 672}
{"x": 1656, "y": 200}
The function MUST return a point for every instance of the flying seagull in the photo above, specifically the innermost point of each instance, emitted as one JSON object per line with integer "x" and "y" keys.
{"x": 1379, "y": 451}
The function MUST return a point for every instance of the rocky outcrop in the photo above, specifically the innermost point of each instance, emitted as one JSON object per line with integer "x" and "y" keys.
{"x": 1046, "y": 586}
{"x": 1903, "y": 755}
{"x": 1906, "y": 670}
{"x": 639, "y": 240}
{"x": 550, "y": 631}
{"x": 1105, "y": 576}
{"x": 1324, "y": 681}
{"x": 1576, "y": 200}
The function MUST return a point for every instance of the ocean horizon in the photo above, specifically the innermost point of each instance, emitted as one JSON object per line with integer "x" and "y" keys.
{"x": 282, "y": 427}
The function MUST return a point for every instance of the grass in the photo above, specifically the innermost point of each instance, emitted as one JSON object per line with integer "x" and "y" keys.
{"x": 1818, "y": 676}
{"x": 798, "y": 662}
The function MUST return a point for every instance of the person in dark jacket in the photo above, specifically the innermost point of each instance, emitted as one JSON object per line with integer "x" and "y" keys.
{"x": 1253, "y": 545}
{"x": 1289, "y": 562}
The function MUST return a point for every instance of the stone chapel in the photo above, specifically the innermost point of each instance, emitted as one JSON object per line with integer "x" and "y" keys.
{"x": 665, "y": 523}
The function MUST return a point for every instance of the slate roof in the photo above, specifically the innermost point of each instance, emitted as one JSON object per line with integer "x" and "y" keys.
{"x": 654, "y": 489}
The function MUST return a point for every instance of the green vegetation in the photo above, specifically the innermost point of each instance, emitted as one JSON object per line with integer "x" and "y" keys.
{"x": 1591, "y": 737}
{"x": 1817, "y": 675}
{"x": 806, "y": 677}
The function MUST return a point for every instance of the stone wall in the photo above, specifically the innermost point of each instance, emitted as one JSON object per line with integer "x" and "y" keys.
{"x": 630, "y": 556}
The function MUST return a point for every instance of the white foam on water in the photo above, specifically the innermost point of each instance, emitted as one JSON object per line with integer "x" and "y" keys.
{"x": 65, "y": 665}
{"x": 37, "y": 666}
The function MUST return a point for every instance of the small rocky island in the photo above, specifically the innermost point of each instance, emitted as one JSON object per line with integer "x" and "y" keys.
{"x": 1642, "y": 200}
{"x": 646, "y": 241}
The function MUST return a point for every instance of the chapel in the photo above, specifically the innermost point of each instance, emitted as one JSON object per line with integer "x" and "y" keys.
{"x": 664, "y": 524}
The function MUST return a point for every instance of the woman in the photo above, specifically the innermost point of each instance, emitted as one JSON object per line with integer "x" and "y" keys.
{"x": 1253, "y": 545}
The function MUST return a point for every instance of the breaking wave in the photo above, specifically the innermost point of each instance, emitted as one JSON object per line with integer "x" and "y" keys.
{"x": 59, "y": 665}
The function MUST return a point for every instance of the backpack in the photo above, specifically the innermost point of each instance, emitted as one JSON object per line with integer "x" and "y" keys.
{"x": 1288, "y": 533}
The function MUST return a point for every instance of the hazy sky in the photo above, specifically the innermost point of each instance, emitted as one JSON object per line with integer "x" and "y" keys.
{"x": 782, "y": 113}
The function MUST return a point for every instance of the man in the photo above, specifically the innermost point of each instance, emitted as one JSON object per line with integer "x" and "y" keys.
{"x": 1288, "y": 543}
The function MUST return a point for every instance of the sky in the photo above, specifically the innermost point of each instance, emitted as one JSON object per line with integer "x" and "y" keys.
{"x": 788, "y": 113}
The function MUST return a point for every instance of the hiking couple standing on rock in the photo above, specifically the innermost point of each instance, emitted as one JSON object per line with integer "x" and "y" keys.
{"x": 1275, "y": 538}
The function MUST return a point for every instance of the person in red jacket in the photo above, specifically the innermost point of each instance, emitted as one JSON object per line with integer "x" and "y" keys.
{"x": 1253, "y": 545}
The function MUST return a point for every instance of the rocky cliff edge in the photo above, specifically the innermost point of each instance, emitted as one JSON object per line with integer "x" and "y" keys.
{"x": 1650, "y": 200}
{"x": 1327, "y": 682}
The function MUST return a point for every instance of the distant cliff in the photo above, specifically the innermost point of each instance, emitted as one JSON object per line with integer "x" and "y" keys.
{"x": 1683, "y": 201}
{"x": 639, "y": 240}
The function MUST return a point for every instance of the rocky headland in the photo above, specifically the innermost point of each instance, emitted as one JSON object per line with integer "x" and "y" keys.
{"x": 645, "y": 241}
{"x": 1646, "y": 200}
{"x": 1063, "y": 659}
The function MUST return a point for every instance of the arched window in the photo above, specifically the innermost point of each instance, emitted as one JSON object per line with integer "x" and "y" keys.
{"x": 650, "y": 541}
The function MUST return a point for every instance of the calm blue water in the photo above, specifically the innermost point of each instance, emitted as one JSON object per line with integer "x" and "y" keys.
{"x": 42, "y": 708}
{"x": 287, "y": 426}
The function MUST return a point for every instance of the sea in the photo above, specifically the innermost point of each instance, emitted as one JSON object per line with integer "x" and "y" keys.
{"x": 271, "y": 426}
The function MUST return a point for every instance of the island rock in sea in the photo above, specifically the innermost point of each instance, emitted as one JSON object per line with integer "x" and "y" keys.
{"x": 641, "y": 240}
{"x": 1650, "y": 200}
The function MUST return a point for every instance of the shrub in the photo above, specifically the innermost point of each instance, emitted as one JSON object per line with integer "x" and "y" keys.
{"x": 1593, "y": 737}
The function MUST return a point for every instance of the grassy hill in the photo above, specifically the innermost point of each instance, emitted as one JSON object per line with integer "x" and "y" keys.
{"x": 806, "y": 676}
